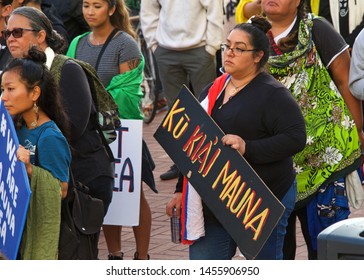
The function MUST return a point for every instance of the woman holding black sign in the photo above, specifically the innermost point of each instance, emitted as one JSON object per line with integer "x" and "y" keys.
{"x": 261, "y": 121}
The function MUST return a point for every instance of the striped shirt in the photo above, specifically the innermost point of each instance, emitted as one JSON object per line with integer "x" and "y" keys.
{"x": 122, "y": 48}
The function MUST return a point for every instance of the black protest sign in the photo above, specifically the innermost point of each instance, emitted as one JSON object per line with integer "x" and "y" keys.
{"x": 222, "y": 177}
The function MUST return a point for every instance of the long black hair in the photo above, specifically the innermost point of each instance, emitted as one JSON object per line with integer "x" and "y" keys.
{"x": 33, "y": 72}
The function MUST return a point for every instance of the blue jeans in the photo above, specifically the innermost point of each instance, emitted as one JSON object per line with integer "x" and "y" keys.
{"x": 273, "y": 248}
{"x": 215, "y": 245}
{"x": 218, "y": 245}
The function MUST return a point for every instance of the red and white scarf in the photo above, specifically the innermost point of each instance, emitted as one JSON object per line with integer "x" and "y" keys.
{"x": 192, "y": 219}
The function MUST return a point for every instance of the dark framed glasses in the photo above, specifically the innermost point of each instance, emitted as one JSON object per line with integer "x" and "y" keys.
{"x": 16, "y": 32}
{"x": 235, "y": 51}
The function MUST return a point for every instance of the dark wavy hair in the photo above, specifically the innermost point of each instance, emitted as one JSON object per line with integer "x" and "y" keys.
{"x": 33, "y": 72}
{"x": 120, "y": 19}
{"x": 39, "y": 21}
{"x": 289, "y": 42}
{"x": 257, "y": 27}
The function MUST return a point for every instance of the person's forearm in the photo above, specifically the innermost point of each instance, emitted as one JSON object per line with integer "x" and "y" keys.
{"x": 339, "y": 70}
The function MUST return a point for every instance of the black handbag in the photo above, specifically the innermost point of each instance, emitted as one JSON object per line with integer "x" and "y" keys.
{"x": 81, "y": 219}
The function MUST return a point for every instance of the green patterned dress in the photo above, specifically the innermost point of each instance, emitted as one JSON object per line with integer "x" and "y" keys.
{"x": 333, "y": 148}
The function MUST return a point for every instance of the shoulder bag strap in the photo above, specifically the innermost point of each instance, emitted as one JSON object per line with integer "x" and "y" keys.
{"x": 109, "y": 38}
{"x": 112, "y": 34}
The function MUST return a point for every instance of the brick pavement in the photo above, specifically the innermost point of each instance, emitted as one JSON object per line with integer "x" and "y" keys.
{"x": 161, "y": 247}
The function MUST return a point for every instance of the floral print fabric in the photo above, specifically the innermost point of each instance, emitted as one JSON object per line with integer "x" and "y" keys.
{"x": 332, "y": 139}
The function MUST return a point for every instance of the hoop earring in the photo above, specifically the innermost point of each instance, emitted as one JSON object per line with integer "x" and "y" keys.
{"x": 35, "y": 109}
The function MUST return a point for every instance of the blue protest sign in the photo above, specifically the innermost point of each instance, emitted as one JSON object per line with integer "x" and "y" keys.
{"x": 14, "y": 188}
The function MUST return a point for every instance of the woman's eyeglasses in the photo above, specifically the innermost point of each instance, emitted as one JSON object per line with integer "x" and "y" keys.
{"x": 235, "y": 51}
{"x": 16, "y": 32}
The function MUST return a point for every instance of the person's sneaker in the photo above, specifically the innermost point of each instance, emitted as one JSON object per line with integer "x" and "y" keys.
{"x": 172, "y": 173}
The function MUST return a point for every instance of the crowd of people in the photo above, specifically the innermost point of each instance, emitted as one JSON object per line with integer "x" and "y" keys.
{"x": 288, "y": 98}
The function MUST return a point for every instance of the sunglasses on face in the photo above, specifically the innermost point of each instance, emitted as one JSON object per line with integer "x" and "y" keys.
{"x": 16, "y": 32}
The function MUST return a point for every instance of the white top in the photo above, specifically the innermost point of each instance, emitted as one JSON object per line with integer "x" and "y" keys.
{"x": 183, "y": 24}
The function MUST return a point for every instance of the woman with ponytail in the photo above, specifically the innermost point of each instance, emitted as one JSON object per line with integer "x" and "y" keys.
{"x": 262, "y": 121}
{"x": 31, "y": 96}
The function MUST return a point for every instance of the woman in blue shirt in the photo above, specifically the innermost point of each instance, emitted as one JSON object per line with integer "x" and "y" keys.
{"x": 31, "y": 96}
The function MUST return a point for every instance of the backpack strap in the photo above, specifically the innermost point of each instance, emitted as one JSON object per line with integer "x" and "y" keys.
{"x": 56, "y": 67}
{"x": 109, "y": 38}
{"x": 103, "y": 139}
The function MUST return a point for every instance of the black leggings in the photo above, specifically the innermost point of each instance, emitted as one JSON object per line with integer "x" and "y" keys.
{"x": 290, "y": 244}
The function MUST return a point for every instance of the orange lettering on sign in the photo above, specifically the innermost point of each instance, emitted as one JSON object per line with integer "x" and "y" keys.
{"x": 241, "y": 202}
{"x": 199, "y": 150}
{"x": 168, "y": 121}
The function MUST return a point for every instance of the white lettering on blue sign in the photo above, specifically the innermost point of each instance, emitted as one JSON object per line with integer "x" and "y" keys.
{"x": 10, "y": 150}
{"x": 3, "y": 125}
